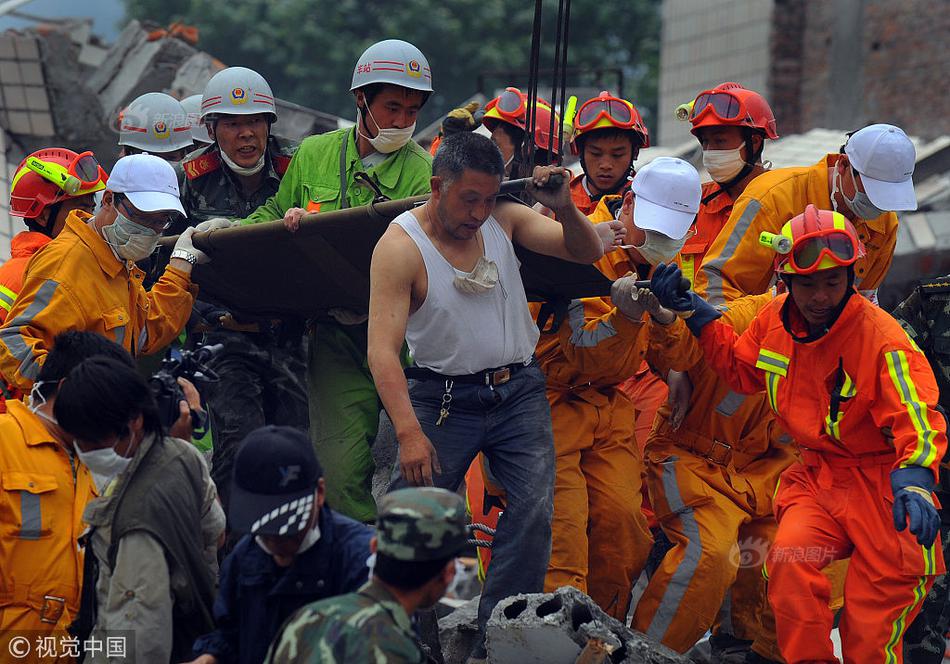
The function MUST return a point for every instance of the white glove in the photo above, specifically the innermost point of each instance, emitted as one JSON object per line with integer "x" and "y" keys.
{"x": 626, "y": 297}
{"x": 185, "y": 244}
{"x": 214, "y": 224}
{"x": 347, "y": 316}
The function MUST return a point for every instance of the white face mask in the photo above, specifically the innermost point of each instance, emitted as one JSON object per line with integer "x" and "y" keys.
{"x": 658, "y": 248}
{"x": 480, "y": 280}
{"x": 241, "y": 170}
{"x": 104, "y": 464}
{"x": 387, "y": 140}
{"x": 311, "y": 538}
{"x": 37, "y": 400}
{"x": 723, "y": 165}
{"x": 129, "y": 240}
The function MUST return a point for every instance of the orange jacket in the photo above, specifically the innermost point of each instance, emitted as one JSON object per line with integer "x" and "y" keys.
{"x": 22, "y": 248}
{"x": 582, "y": 199}
{"x": 44, "y": 493}
{"x": 884, "y": 387}
{"x": 77, "y": 283}
{"x": 737, "y": 264}
{"x": 596, "y": 344}
{"x": 710, "y": 220}
{"x": 742, "y": 421}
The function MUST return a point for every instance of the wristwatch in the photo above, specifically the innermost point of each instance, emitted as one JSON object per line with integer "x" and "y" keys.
{"x": 185, "y": 256}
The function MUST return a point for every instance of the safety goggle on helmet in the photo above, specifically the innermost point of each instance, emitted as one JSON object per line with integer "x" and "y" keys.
{"x": 814, "y": 240}
{"x": 605, "y": 111}
{"x": 53, "y": 174}
{"x": 731, "y": 105}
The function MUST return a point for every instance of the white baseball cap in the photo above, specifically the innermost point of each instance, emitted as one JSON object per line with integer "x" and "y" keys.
{"x": 668, "y": 193}
{"x": 149, "y": 182}
{"x": 885, "y": 158}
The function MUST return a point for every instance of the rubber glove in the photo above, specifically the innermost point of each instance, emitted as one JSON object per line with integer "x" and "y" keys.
{"x": 214, "y": 224}
{"x": 461, "y": 119}
{"x": 185, "y": 244}
{"x": 665, "y": 284}
{"x": 913, "y": 502}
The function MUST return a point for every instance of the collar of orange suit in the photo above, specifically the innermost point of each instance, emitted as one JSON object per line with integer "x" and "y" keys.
{"x": 795, "y": 324}
{"x": 78, "y": 223}
{"x": 34, "y": 431}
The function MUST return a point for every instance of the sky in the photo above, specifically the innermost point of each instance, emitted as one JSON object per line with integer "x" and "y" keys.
{"x": 107, "y": 15}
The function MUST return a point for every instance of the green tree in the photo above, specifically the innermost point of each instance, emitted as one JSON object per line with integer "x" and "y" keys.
{"x": 307, "y": 48}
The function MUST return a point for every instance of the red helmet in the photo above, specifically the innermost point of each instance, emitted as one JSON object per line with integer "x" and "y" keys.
{"x": 815, "y": 240}
{"x": 511, "y": 108}
{"x": 51, "y": 175}
{"x": 606, "y": 111}
{"x": 731, "y": 105}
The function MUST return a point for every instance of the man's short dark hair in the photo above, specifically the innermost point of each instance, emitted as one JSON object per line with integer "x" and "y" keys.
{"x": 99, "y": 398}
{"x": 610, "y": 132}
{"x": 467, "y": 150}
{"x": 370, "y": 91}
{"x": 408, "y": 575}
{"x": 71, "y": 348}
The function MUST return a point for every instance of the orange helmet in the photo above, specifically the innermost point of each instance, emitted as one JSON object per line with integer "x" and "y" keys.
{"x": 606, "y": 111}
{"x": 51, "y": 175}
{"x": 511, "y": 108}
{"x": 815, "y": 240}
{"x": 731, "y": 105}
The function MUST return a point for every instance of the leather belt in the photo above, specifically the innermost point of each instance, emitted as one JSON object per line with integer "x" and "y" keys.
{"x": 489, "y": 377}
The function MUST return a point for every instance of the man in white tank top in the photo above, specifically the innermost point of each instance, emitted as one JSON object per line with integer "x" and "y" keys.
{"x": 444, "y": 278}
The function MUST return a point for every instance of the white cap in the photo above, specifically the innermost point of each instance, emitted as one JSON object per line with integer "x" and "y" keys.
{"x": 149, "y": 182}
{"x": 885, "y": 158}
{"x": 668, "y": 192}
{"x": 199, "y": 130}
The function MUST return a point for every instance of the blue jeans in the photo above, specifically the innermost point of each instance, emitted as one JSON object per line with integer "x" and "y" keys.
{"x": 511, "y": 425}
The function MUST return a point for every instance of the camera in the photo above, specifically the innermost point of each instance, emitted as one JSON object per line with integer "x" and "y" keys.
{"x": 190, "y": 365}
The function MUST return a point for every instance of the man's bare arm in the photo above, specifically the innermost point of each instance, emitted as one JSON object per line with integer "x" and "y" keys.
{"x": 392, "y": 270}
{"x": 573, "y": 239}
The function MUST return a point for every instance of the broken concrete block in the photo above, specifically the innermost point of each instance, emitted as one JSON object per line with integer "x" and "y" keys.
{"x": 458, "y": 632}
{"x": 553, "y": 628}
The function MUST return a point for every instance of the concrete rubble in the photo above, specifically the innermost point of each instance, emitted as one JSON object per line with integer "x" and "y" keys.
{"x": 548, "y": 628}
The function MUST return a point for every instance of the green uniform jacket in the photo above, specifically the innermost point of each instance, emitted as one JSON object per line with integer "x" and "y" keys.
{"x": 312, "y": 180}
{"x": 369, "y": 625}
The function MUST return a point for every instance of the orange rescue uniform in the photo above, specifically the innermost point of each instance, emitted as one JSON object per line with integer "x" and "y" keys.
{"x": 43, "y": 491}
{"x": 582, "y": 198}
{"x": 837, "y": 501}
{"x": 738, "y": 264}
{"x": 600, "y": 538}
{"x": 77, "y": 283}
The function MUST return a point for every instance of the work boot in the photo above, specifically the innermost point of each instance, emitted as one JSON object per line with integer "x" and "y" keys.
{"x": 727, "y": 649}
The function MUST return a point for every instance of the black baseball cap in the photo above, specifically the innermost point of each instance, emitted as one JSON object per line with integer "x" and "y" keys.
{"x": 274, "y": 481}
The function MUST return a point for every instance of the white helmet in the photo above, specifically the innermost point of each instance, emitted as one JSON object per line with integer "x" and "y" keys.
{"x": 199, "y": 130}
{"x": 393, "y": 61}
{"x": 155, "y": 123}
{"x": 237, "y": 91}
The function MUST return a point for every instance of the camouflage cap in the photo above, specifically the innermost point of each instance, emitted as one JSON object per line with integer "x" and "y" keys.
{"x": 420, "y": 524}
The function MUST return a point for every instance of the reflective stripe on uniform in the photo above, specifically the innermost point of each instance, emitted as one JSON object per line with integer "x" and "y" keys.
{"x": 926, "y": 451}
{"x": 7, "y": 298}
{"x": 773, "y": 362}
{"x": 143, "y": 339}
{"x": 30, "y": 515}
{"x": 11, "y": 335}
{"x": 713, "y": 269}
{"x": 676, "y": 588}
{"x": 586, "y": 338}
{"x": 771, "y": 389}
{"x": 900, "y": 625}
{"x": 730, "y": 404}
{"x": 688, "y": 266}
{"x": 119, "y": 333}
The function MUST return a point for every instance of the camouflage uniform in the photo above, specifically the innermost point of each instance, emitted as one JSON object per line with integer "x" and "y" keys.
{"x": 370, "y": 625}
{"x": 925, "y": 316}
{"x": 262, "y": 374}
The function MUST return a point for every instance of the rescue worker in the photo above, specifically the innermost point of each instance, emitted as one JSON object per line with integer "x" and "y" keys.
{"x": 419, "y": 532}
{"x": 262, "y": 366}
{"x": 47, "y": 185}
{"x": 866, "y": 182}
{"x": 44, "y": 493}
{"x": 151, "y": 547}
{"x": 925, "y": 316}
{"x": 856, "y": 394}
{"x": 608, "y": 136}
{"x": 506, "y": 117}
{"x": 155, "y": 123}
{"x": 341, "y": 169}
{"x": 86, "y": 279}
{"x": 200, "y": 137}
{"x": 600, "y": 539}
{"x": 712, "y": 468}
{"x": 475, "y": 387}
